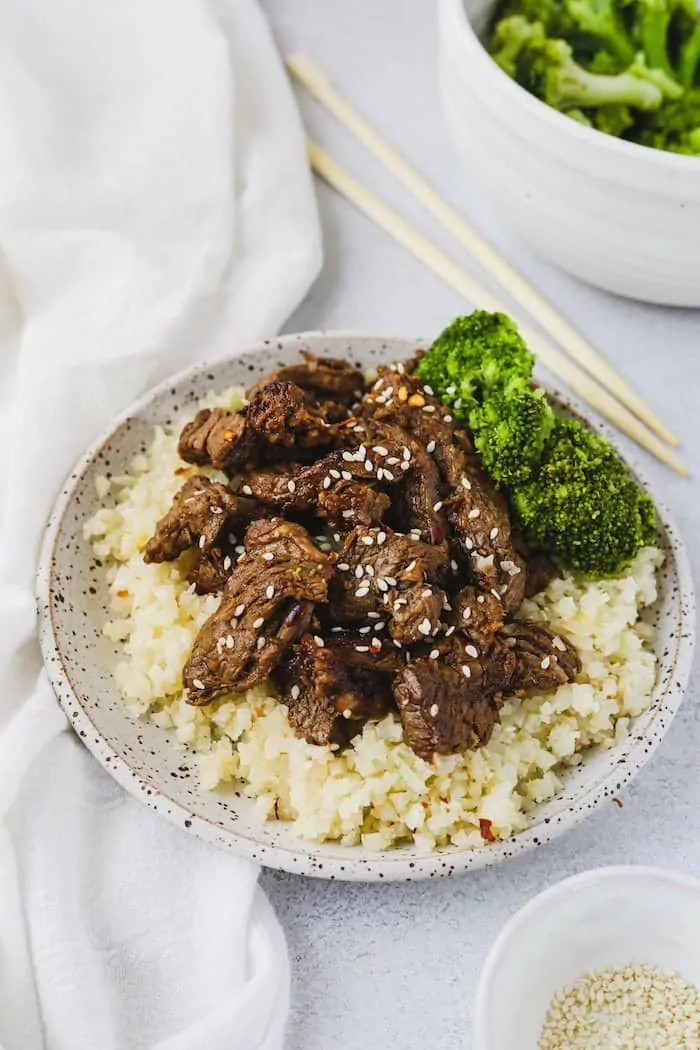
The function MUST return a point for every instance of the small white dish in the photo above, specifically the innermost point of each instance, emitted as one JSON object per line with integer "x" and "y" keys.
{"x": 606, "y": 917}
{"x": 616, "y": 214}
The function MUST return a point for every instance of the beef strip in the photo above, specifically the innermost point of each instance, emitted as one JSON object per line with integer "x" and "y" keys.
{"x": 219, "y": 438}
{"x": 201, "y": 512}
{"x": 450, "y": 700}
{"x": 267, "y": 605}
{"x": 369, "y": 652}
{"x": 480, "y": 615}
{"x": 336, "y": 487}
{"x": 327, "y": 379}
{"x": 328, "y": 701}
{"x": 544, "y": 660}
{"x": 541, "y": 570}
{"x": 281, "y": 414}
{"x": 379, "y": 571}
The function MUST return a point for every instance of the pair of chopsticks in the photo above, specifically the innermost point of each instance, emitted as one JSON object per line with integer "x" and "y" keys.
{"x": 608, "y": 392}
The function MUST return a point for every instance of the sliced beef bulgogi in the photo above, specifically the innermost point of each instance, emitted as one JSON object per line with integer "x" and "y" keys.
{"x": 201, "y": 512}
{"x": 327, "y": 701}
{"x": 541, "y": 570}
{"x": 267, "y": 605}
{"x": 380, "y": 572}
{"x": 544, "y": 660}
{"x": 480, "y": 615}
{"x": 330, "y": 381}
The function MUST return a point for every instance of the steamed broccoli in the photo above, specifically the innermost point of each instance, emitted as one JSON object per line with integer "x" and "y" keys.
{"x": 602, "y": 20}
{"x": 675, "y": 127}
{"x": 510, "y": 433}
{"x": 582, "y": 506}
{"x": 607, "y": 63}
{"x": 476, "y": 355}
{"x": 547, "y": 69}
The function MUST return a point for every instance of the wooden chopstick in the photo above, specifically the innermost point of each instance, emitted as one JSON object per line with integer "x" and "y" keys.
{"x": 317, "y": 83}
{"x": 453, "y": 275}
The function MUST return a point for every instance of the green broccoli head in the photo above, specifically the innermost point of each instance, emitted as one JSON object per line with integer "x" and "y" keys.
{"x": 546, "y": 67}
{"x": 674, "y": 127}
{"x": 602, "y": 20}
{"x": 613, "y": 120}
{"x": 551, "y": 13}
{"x": 582, "y": 506}
{"x": 476, "y": 355}
{"x": 510, "y": 433}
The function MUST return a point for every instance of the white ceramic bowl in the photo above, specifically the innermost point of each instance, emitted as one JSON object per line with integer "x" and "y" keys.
{"x": 607, "y": 917}
{"x": 74, "y": 604}
{"x": 618, "y": 215}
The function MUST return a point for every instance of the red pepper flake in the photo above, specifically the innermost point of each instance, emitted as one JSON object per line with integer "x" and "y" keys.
{"x": 485, "y": 829}
{"x": 425, "y": 804}
{"x": 181, "y": 470}
{"x": 122, "y": 594}
{"x": 619, "y": 802}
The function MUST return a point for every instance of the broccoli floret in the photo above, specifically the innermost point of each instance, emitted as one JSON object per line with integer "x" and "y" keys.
{"x": 510, "y": 433}
{"x": 675, "y": 127}
{"x": 551, "y": 13}
{"x": 613, "y": 120}
{"x": 475, "y": 356}
{"x": 547, "y": 69}
{"x": 601, "y": 19}
{"x": 582, "y": 506}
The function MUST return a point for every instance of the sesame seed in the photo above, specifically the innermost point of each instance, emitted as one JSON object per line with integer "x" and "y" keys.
{"x": 466, "y": 671}
{"x": 446, "y": 605}
{"x": 466, "y": 483}
{"x": 434, "y": 711}
{"x": 545, "y": 663}
{"x": 233, "y": 624}
{"x": 270, "y": 592}
{"x": 362, "y": 648}
{"x": 247, "y": 490}
{"x": 342, "y": 566}
{"x": 392, "y": 461}
{"x": 397, "y": 644}
{"x": 391, "y": 581}
{"x": 217, "y": 510}
{"x": 229, "y": 641}
{"x": 495, "y": 593}
{"x": 198, "y": 683}
{"x": 481, "y": 599}
{"x": 454, "y": 566}
{"x": 474, "y": 513}
{"x": 437, "y": 506}
{"x": 411, "y": 566}
{"x": 427, "y": 593}
{"x": 268, "y": 556}
{"x": 451, "y": 389}
{"x": 450, "y": 631}
{"x": 428, "y": 408}
{"x": 362, "y": 591}
{"x": 326, "y": 483}
{"x": 466, "y": 615}
{"x": 346, "y": 475}
{"x": 471, "y": 650}
{"x": 558, "y": 644}
{"x": 380, "y": 450}
{"x": 258, "y": 623}
{"x": 348, "y": 513}
{"x": 361, "y": 453}
{"x": 428, "y": 389}
{"x": 469, "y": 543}
{"x": 202, "y": 541}
{"x": 493, "y": 533}
{"x": 372, "y": 615}
{"x": 425, "y": 627}
{"x": 348, "y": 457}
{"x": 319, "y": 641}
{"x": 406, "y": 454}
{"x": 240, "y": 609}
{"x": 380, "y": 626}
{"x": 434, "y": 653}
{"x": 369, "y": 570}
{"x": 334, "y": 474}
{"x": 380, "y": 474}
{"x": 295, "y": 692}
{"x": 369, "y": 466}
{"x": 365, "y": 630}
{"x": 381, "y": 538}
{"x": 447, "y": 418}
{"x": 368, "y": 541}
{"x": 347, "y": 713}
{"x": 227, "y": 563}
{"x": 260, "y": 644}
{"x": 382, "y": 585}
{"x": 359, "y": 572}
{"x": 240, "y": 549}
{"x": 375, "y": 645}
{"x": 336, "y": 537}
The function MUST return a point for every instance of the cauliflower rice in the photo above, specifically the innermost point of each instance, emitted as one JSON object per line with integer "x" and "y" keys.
{"x": 378, "y": 792}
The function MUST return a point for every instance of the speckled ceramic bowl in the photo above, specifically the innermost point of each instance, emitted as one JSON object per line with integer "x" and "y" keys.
{"x": 74, "y": 602}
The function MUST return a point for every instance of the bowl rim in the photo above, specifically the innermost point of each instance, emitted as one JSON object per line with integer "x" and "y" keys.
{"x": 524, "y": 916}
{"x": 387, "y": 865}
{"x": 591, "y": 137}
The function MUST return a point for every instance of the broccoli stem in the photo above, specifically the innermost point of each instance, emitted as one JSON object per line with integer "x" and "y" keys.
{"x": 689, "y": 58}
{"x": 654, "y": 24}
{"x": 575, "y": 87}
{"x": 601, "y": 19}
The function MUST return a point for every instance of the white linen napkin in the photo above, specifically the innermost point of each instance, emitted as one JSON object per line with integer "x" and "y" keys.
{"x": 156, "y": 209}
